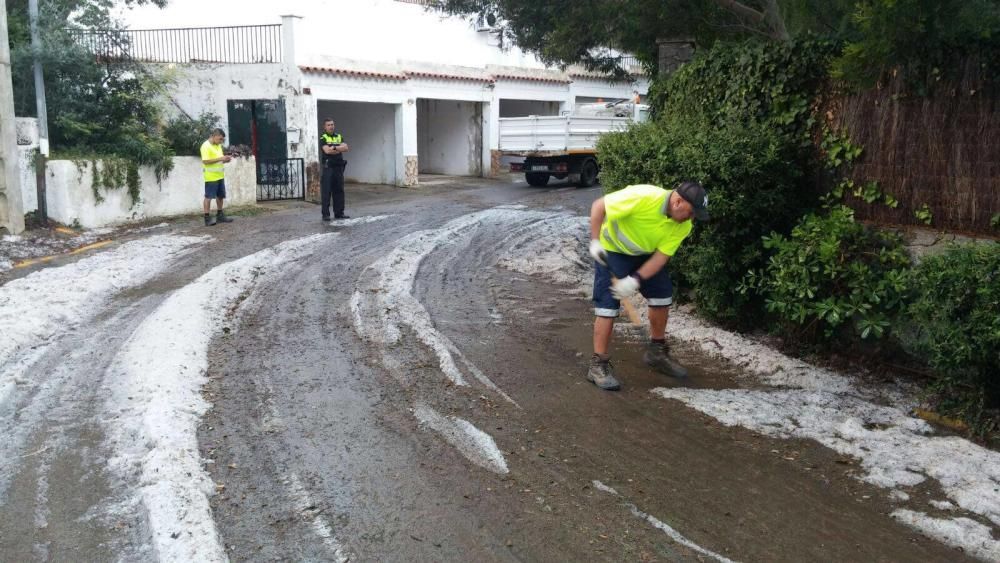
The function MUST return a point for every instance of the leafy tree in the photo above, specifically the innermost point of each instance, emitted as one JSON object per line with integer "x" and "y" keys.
{"x": 94, "y": 107}
{"x": 584, "y": 31}
{"x": 927, "y": 40}
{"x": 831, "y": 19}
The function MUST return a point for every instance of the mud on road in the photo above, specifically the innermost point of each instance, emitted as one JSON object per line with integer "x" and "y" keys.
{"x": 409, "y": 385}
{"x": 360, "y": 403}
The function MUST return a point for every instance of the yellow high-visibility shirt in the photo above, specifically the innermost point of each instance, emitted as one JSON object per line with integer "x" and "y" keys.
{"x": 636, "y": 222}
{"x": 212, "y": 172}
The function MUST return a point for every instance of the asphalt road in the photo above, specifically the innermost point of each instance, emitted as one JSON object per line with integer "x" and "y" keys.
{"x": 408, "y": 387}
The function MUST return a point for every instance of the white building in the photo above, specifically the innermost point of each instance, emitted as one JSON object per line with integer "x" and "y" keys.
{"x": 413, "y": 92}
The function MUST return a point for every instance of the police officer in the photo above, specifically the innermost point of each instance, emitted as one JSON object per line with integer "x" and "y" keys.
{"x": 332, "y": 184}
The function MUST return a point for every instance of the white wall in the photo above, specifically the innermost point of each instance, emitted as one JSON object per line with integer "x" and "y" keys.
{"x": 70, "y": 198}
{"x": 589, "y": 89}
{"x": 207, "y": 87}
{"x": 514, "y": 89}
{"x": 524, "y": 108}
{"x": 70, "y": 195}
{"x": 27, "y": 147}
{"x": 557, "y": 93}
{"x": 29, "y": 183}
{"x": 370, "y": 131}
{"x": 449, "y": 137}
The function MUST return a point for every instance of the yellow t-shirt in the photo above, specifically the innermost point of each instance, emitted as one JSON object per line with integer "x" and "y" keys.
{"x": 636, "y": 222}
{"x": 212, "y": 172}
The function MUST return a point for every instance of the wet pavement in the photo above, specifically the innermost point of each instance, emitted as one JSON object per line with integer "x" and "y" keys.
{"x": 397, "y": 394}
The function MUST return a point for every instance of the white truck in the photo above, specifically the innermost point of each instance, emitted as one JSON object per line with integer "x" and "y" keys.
{"x": 564, "y": 145}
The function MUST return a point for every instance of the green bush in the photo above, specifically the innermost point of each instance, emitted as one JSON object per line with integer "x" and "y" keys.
{"x": 955, "y": 321}
{"x": 634, "y": 156}
{"x": 752, "y": 191}
{"x": 185, "y": 135}
{"x": 832, "y": 279}
{"x": 738, "y": 118}
{"x": 773, "y": 84}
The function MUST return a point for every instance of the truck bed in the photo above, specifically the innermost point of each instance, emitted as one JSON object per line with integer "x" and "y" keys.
{"x": 555, "y": 135}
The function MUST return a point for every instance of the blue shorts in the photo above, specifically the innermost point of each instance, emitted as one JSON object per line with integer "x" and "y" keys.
{"x": 216, "y": 189}
{"x": 658, "y": 290}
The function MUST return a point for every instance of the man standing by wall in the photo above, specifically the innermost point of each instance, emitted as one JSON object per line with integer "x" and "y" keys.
{"x": 215, "y": 185}
{"x": 634, "y": 233}
{"x": 332, "y": 184}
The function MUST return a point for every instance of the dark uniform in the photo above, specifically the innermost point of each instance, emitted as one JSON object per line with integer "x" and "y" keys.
{"x": 332, "y": 183}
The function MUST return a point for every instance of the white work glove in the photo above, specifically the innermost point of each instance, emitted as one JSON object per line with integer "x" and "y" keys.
{"x": 598, "y": 252}
{"x": 625, "y": 287}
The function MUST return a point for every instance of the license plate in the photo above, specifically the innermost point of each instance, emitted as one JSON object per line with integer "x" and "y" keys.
{"x": 537, "y": 168}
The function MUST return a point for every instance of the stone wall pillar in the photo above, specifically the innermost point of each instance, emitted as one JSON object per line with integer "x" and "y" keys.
{"x": 407, "y": 167}
{"x": 673, "y": 52}
{"x": 411, "y": 172}
{"x": 495, "y": 163}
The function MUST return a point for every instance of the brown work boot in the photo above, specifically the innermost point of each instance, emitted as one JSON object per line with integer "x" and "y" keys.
{"x": 602, "y": 374}
{"x": 658, "y": 357}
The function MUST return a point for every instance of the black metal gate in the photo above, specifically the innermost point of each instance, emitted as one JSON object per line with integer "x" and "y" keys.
{"x": 281, "y": 178}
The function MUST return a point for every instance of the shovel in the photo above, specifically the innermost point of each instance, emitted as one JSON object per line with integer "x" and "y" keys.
{"x": 633, "y": 315}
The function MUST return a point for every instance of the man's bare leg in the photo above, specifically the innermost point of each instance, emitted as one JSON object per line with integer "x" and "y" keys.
{"x": 603, "y": 328}
{"x": 658, "y": 322}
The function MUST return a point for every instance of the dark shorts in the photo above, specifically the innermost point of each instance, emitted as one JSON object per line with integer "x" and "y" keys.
{"x": 658, "y": 290}
{"x": 216, "y": 189}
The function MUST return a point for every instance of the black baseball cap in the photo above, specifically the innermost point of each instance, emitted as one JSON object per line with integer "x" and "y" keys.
{"x": 693, "y": 193}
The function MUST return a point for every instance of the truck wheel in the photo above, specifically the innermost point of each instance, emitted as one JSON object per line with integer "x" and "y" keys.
{"x": 588, "y": 173}
{"x": 537, "y": 179}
